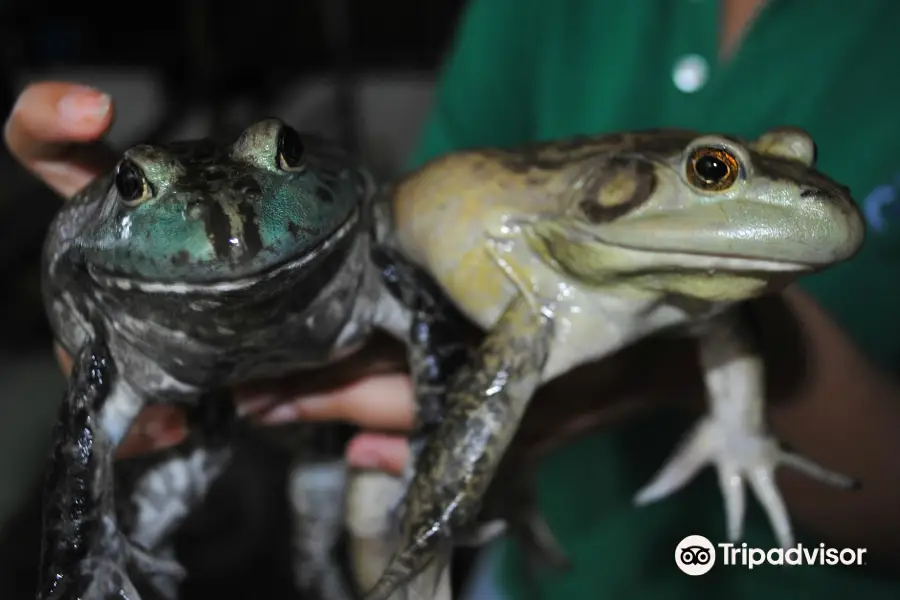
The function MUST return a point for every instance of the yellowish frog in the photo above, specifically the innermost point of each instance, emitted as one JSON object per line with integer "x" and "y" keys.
{"x": 565, "y": 252}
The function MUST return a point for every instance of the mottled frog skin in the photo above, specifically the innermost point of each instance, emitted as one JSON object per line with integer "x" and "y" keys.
{"x": 191, "y": 267}
{"x": 566, "y": 251}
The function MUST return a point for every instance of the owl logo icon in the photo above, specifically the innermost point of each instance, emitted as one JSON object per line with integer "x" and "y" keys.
{"x": 695, "y": 555}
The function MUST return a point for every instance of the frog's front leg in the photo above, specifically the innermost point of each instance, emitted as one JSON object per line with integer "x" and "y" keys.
{"x": 485, "y": 403}
{"x": 733, "y": 435}
{"x": 83, "y": 553}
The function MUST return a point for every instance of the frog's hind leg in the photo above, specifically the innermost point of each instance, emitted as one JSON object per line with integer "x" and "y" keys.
{"x": 438, "y": 347}
{"x": 168, "y": 486}
{"x": 733, "y": 435}
{"x": 317, "y": 490}
{"x": 83, "y": 554}
{"x": 437, "y": 341}
{"x": 164, "y": 494}
{"x": 485, "y": 403}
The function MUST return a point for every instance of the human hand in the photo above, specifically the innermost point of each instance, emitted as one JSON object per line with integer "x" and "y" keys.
{"x": 381, "y": 399}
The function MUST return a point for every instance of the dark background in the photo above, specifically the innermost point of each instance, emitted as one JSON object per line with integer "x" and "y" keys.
{"x": 204, "y": 56}
{"x": 264, "y": 34}
{"x": 211, "y": 67}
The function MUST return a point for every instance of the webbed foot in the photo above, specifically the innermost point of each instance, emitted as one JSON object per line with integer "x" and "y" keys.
{"x": 733, "y": 435}
{"x": 739, "y": 455}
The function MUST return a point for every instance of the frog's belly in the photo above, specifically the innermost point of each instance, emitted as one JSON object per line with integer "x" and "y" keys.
{"x": 183, "y": 362}
{"x": 305, "y": 347}
{"x": 276, "y": 339}
{"x": 602, "y": 325}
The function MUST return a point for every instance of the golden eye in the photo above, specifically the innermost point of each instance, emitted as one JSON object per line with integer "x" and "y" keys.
{"x": 131, "y": 184}
{"x": 712, "y": 169}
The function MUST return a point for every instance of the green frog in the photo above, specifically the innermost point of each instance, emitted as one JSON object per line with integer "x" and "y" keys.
{"x": 199, "y": 265}
{"x": 190, "y": 267}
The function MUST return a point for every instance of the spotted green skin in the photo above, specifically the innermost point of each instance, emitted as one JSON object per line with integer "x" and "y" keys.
{"x": 217, "y": 212}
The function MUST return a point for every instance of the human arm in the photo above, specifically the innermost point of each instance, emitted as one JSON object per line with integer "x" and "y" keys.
{"x": 845, "y": 412}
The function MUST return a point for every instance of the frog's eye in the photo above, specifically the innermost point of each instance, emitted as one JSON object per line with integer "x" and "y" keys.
{"x": 290, "y": 150}
{"x": 712, "y": 169}
{"x": 131, "y": 185}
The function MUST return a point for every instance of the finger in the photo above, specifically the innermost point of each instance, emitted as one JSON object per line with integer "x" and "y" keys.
{"x": 156, "y": 427}
{"x": 257, "y": 397}
{"x": 63, "y": 358}
{"x": 376, "y": 402}
{"x": 389, "y": 453}
{"x": 47, "y": 122}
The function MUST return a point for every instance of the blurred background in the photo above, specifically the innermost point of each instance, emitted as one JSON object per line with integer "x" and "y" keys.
{"x": 361, "y": 72}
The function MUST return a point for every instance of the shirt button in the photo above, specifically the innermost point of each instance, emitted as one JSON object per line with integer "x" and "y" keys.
{"x": 690, "y": 73}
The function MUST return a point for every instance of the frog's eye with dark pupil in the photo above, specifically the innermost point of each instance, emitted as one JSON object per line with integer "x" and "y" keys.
{"x": 290, "y": 150}
{"x": 712, "y": 169}
{"x": 130, "y": 183}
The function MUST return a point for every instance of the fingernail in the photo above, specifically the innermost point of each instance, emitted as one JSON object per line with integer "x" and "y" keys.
{"x": 364, "y": 456}
{"x": 166, "y": 427}
{"x": 283, "y": 413}
{"x": 248, "y": 404}
{"x": 366, "y": 453}
{"x": 85, "y": 106}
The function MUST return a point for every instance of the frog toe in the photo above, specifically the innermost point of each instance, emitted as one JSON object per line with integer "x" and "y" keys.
{"x": 680, "y": 468}
{"x": 163, "y": 574}
{"x": 540, "y": 544}
{"x": 741, "y": 455}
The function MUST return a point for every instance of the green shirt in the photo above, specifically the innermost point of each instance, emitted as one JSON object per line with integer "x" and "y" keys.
{"x": 531, "y": 69}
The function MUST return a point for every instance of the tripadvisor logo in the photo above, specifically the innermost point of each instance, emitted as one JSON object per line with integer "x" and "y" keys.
{"x": 744, "y": 555}
{"x": 696, "y": 555}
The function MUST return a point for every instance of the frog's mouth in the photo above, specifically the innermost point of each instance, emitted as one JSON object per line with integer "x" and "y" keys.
{"x": 307, "y": 260}
{"x": 699, "y": 260}
{"x": 740, "y": 235}
{"x": 633, "y": 257}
